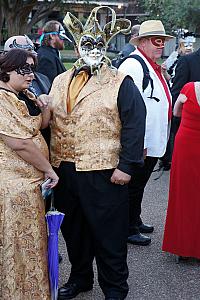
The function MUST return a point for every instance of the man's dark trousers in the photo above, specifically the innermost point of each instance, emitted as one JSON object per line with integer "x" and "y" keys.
{"x": 136, "y": 190}
{"x": 95, "y": 225}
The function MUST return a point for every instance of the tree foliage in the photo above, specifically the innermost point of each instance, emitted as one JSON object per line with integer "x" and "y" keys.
{"x": 174, "y": 13}
{"x": 14, "y": 14}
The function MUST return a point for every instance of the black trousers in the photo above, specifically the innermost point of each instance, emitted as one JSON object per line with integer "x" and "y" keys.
{"x": 136, "y": 190}
{"x": 95, "y": 225}
{"x": 175, "y": 123}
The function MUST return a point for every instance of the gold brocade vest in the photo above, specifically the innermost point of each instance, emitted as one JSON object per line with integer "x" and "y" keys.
{"x": 89, "y": 136}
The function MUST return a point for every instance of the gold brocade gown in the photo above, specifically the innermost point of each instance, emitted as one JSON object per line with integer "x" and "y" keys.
{"x": 23, "y": 236}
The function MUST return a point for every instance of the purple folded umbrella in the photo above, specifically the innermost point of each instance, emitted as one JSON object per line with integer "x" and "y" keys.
{"x": 54, "y": 220}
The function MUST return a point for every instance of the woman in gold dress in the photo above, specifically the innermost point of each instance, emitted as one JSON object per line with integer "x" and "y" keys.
{"x": 23, "y": 165}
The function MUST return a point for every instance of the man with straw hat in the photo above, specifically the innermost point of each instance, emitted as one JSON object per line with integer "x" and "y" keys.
{"x": 150, "y": 44}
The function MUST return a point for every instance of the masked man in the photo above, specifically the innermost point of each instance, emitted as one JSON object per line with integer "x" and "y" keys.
{"x": 150, "y": 44}
{"x": 97, "y": 132}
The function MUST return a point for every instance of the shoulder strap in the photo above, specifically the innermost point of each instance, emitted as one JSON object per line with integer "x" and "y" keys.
{"x": 146, "y": 78}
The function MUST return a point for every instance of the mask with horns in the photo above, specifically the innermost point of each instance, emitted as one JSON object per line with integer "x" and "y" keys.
{"x": 91, "y": 39}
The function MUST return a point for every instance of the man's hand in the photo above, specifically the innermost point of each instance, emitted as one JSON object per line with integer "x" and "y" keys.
{"x": 119, "y": 177}
{"x": 164, "y": 71}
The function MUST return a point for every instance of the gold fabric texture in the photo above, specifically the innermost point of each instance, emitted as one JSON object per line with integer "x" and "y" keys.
{"x": 90, "y": 134}
{"x": 23, "y": 236}
{"x": 75, "y": 87}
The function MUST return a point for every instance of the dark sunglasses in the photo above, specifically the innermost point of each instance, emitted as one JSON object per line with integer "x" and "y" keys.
{"x": 25, "y": 70}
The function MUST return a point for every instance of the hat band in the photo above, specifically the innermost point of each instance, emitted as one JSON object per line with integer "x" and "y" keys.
{"x": 152, "y": 33}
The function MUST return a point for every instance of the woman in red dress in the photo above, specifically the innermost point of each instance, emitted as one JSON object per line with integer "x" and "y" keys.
{"x": 181, "y": 236}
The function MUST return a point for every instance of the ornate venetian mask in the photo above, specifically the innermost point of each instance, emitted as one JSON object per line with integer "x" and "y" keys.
{"x": 92, "y": 39}
{"x": 92, "y": 49}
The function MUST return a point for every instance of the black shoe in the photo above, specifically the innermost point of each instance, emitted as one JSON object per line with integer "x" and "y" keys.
{"x": 139, "y": 239}
{"x": 145, "y": 228}
{"x": 71, "y": 290}
{"x": 165, "y": 165}
{"x": 111, "y": 298}
{"x": 114, "y": 298}
{"x": 60, "y": 258}
{"x": 181, "y": 259}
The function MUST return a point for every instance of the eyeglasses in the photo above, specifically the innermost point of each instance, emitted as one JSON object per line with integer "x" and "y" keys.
{"x": 158, "y": 42}
{"x": 26, "y": 69}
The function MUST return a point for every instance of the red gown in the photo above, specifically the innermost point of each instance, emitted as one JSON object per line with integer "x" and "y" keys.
{"x": 181, "y": 235}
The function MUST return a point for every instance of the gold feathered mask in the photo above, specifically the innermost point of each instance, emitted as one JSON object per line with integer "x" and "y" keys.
{"x": 92, "y": 35}
{"x": 92, "y": 26}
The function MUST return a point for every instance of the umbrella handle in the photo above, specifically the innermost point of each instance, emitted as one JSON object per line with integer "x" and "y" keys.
{"x": 52, "y": 208}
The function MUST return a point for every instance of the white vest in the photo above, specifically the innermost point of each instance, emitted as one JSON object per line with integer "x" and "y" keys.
{"x": 157, "y": 124}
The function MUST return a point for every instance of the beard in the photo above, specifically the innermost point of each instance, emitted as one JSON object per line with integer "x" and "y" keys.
{"x": 59, "y": 44}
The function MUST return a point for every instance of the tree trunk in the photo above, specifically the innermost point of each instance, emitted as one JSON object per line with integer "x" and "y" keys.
{"x": 1, "y": 24}
{"x": 17, "y": 12}
{"x": 13, "y": 25}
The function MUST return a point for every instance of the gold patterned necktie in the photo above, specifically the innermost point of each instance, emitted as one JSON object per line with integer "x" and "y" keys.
{"x": 75, "y": 87}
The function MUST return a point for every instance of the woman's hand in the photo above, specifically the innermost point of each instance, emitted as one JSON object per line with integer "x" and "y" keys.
{"x": 43, "y": 101}
{"x": 54, "y": 178}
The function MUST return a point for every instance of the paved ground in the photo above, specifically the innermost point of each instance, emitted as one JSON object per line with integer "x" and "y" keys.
{"x": 153, "y": 275}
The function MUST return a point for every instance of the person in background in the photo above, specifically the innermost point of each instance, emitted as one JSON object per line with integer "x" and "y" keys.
{"x": 186, "y": 70}
{"x": 97, "y": 138}
{"x": 168, "y": 69}
{"x": 150, "y": 44}
{"x": 49, "y": 61}
{"x": 169, "y": 65}
{"x": 183, "y": 214}
{"x": 40, "y": 83}
{"x": 130, "y": 47}
{"x": 24, "y": 165}
{"x": 52, "y": 41}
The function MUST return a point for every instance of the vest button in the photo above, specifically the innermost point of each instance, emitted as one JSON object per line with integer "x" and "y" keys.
{"x": 64, "y": 133}
{"x": 65, "y": 146}
{"x": 72, "y": 147}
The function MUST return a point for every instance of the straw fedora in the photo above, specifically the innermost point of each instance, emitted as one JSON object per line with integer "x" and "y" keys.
{"x": 151, "y": 28}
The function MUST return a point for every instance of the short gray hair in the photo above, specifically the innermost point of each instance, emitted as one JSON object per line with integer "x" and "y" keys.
{"x": 135, "y": 29}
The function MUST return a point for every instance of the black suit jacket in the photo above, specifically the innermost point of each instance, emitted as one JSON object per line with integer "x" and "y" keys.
{"x": 187, "y": 70}
{"x": 49, "y": 62}
{"x": 40, "y": 84}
